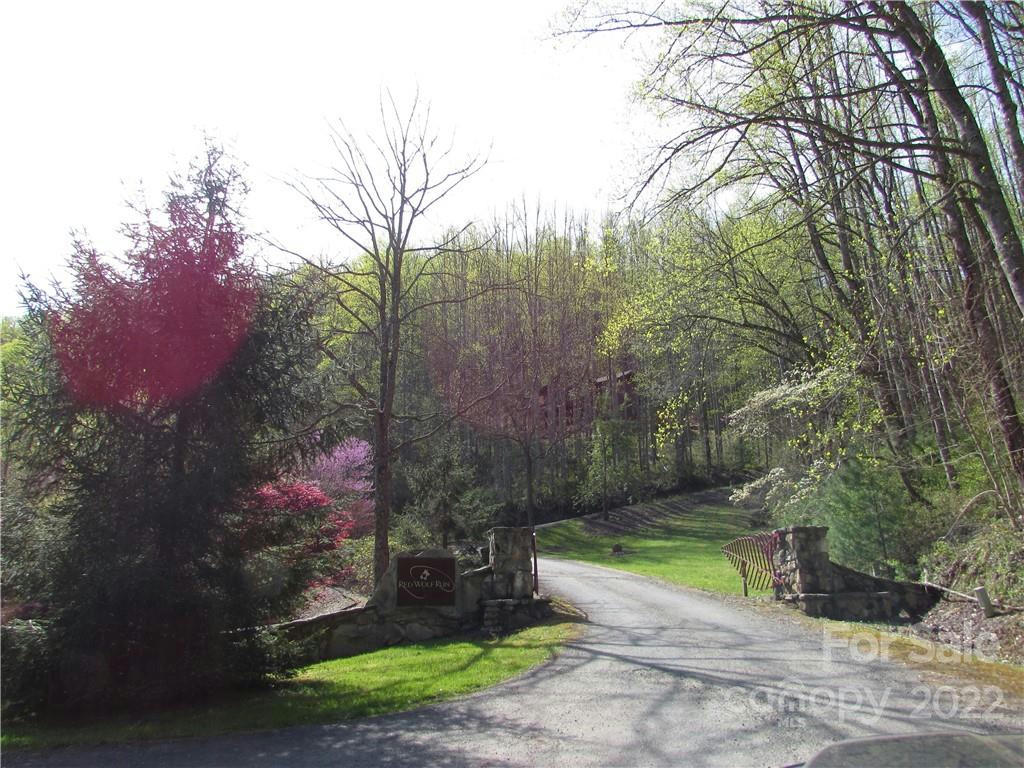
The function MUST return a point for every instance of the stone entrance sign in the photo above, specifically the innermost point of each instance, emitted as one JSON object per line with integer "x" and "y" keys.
{"x": 426, "y": 581}
{"x": 423, "y": 595}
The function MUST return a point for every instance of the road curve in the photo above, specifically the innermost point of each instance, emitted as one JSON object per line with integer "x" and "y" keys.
{"x": 661, "y": 677}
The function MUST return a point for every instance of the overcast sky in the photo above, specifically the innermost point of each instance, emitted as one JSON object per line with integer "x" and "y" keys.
{"x": 103, "y": 99}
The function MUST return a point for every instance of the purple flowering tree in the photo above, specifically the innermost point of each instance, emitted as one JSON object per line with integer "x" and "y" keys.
{"x": 344, "y": 475}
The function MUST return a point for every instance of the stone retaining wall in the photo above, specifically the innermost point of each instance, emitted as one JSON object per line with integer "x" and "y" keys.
{"x": 358, "y": 630}
{"x": 496, "y": 598}
{"x": 808, "y": 579}
{"x": 504, "y": 615}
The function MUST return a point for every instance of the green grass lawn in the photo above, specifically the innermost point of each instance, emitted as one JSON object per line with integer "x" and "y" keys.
{"x": 678, "y": 540}
{"x": 387, "y": 680}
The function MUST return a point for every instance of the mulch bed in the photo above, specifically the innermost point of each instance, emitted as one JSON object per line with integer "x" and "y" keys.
{"x": 331, "y": 599}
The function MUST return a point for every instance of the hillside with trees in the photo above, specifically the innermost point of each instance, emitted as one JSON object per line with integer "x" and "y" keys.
{"x": 814, "y": 293}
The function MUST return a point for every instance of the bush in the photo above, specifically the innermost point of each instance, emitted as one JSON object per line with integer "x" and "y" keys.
{"x": 407, "y": 534}
{"x": 446, "y": 504}
{"x": 872, "y": 523}
{"x": 990, "y": 553}
{"x": 28, "y": 666}
{"x": 31, "y": 544}
{"x": 360, "y": 558}
{"x": 344, "y": 475}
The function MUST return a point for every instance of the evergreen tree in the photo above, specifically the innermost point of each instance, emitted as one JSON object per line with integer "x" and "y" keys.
{"x": 157, "y": 400}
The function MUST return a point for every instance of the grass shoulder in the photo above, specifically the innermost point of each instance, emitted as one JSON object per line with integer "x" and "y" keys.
{"x": 678, "y": 540}
{"x": 389, "y": 680}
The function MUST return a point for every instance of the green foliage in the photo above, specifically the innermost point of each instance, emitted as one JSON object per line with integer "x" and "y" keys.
{"x": 872, "y": 524}
{"x": 818, "y": 413}
{"x": 446, "y": 503}
{"x": 28, "y": 649}
{"x": 611, "y": 474}
{"x": 32, "y": 542}
{"x": 359, "y": 554}
{"x": 132, "y": 529}
{"x": 989, "y": 552}
{"x": 12, "y": 362}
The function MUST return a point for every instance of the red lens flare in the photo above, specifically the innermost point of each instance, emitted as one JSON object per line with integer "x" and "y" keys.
{"x": 159, "y": 335}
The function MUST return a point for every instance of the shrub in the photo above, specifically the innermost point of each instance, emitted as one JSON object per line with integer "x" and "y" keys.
{"x": 31, "y": 544}
{"x": 990, "y": 553}
{"x": 291, "y": 533}
{"x": 28, "y": 665}
{"x": 873, "y": 525}
{"x": 445, "y": 502}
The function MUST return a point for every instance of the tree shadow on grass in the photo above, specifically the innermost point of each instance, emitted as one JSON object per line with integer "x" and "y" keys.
{"x": 405, "y": 683}
{"x": 398, "y": 739}
{"x": 705, "y": 516}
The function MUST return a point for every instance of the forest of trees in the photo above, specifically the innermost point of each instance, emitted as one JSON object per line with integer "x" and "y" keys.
{"x": 815, "y": 293}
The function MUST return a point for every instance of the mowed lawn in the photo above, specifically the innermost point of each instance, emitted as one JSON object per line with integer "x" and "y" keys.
{"x": 388, "y": 680}
{"x": 677, "y": 539}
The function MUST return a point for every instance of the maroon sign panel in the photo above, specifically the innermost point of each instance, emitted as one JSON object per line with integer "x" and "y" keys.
{"x": 426, "y": 581}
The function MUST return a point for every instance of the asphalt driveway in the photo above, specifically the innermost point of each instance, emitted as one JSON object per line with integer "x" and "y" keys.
{"x": 662, "y": 676}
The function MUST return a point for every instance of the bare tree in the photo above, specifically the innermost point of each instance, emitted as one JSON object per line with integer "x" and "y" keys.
{"x": 518, "y": 365}
{"x": 375, "y": 197}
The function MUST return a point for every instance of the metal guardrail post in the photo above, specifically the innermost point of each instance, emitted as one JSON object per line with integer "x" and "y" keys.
{"x": 536, "y": 577}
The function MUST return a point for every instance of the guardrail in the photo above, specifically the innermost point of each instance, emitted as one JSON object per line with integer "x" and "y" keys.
{"x": 752, "y": 557}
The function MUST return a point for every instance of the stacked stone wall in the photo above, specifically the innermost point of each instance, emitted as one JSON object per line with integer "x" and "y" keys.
{"x": 801, "y": 560}
{"x": 497, "y": 598}
{"x": 807, "y": 578}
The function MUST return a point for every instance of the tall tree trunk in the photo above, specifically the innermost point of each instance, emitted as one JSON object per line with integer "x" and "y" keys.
{"x": 390, "y": 343}
{"x": 652, "y": 424}
{"x": 705, "y": 433}
{"x": 925, "y": 50}
{"x": 381, "y": 497}
{"x": 854, "y": 299}
{"x": 528, "y": 457}
{"x": 998, "y": 71}
{"x": 980, "y": 322}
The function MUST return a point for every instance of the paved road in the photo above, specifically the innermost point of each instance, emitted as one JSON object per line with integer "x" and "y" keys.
{"x": 662, "y": 676}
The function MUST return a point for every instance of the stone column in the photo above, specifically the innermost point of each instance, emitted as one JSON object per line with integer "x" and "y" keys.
{"x": 511, "y": 560}
{"x": 801, "y": 559}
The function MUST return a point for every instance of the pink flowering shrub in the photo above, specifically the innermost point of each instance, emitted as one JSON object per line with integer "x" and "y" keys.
{"x": 302, "y": 524}
{"x": 297, "y": 497}
{"x": 344, "y": 474}
{"x": 292, "y": 511}
{"x": 293, "y": 497}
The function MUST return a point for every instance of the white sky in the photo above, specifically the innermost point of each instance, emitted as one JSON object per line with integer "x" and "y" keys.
{"x": 102, "y": 98}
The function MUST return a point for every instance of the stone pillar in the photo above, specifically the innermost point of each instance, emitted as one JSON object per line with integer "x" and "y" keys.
{"x": 801, "y": 559}
{"x": 511, "y": 560}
